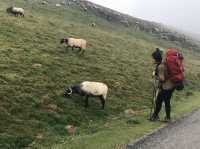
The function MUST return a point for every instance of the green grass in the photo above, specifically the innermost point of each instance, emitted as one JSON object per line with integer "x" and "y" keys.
{"x": 116, "y": 55}
{"x": 118, "y": 132}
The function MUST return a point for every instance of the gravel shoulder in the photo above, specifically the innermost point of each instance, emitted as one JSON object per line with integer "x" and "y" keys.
{"x": 181, "y": 134}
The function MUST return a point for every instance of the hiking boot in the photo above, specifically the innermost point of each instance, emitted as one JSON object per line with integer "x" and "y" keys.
{"x": 154, "y": 118}
{"x": 167, "y": 119}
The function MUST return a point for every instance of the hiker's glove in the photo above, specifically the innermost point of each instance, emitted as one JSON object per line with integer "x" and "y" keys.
{"x": 153, "y": 73}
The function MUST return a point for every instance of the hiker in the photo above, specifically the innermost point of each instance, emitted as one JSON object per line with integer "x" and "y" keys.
{"x": 167, "y": 82}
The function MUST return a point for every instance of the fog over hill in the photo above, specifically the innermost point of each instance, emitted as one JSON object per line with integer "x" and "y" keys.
{"x": 180, "y": 13}
{"x": 161, "y": 30}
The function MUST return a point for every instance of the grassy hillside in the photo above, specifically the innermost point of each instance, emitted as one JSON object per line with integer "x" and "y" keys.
{"x": 31, "y": 99}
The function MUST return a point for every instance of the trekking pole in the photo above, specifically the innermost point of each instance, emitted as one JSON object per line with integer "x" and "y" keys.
{"x": 155, "y": 94}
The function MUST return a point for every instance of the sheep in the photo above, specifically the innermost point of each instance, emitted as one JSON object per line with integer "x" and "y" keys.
{"x": 92, "y": 24}
{"x": 44, "y": 3}
{"x": 58, "y": 5}
{"x": 87, "y": 89}
{"x": 16, "y": 11}
{"x": 63, "y": 3}
{"x": 75, "y": 43}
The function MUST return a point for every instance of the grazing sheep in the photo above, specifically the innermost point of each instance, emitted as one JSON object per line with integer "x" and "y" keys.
{"x": 75, "y": 43}
{"x": 87, "y": 89}
{"x": 16, "y": 11}
{"x": 63, "y": 3}
{"x": 58, "y": 5}
{"x": 92, "y": 24}
{"x": 44, "y": 3}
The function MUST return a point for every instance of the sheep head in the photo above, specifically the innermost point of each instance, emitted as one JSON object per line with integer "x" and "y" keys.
{"x": 64, "y": 40}
{"x": 9, "y": 9}
{"x": 68, "y": 92}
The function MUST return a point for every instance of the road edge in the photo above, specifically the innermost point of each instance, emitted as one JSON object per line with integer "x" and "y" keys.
{"x": 137, "y": 143}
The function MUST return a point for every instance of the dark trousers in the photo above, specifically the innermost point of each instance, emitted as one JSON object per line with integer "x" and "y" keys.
{"x": 164, "y": 95}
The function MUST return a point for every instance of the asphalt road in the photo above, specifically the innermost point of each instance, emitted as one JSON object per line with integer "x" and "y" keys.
{"x": 183, "y": 134}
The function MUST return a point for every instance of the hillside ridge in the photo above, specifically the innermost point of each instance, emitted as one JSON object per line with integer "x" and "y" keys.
{"x": 161, "y": 31}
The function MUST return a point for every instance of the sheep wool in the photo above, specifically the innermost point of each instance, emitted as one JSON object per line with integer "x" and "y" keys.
{"x": 77, "y": 43}
{"x": 19, "y": 10}
{"x": 95, "y": 88}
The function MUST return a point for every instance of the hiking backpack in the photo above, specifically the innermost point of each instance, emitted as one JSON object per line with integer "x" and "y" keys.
{"x": 175, "y": 67}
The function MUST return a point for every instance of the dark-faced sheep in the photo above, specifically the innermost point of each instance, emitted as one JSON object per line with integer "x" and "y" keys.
{"x": 75, "y": 43}
{"x": 44, "y": 2}
{"x": 88, "y": 89}
{"x": 15, "y": 11}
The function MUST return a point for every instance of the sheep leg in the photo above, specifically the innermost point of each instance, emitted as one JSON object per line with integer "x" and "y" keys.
{"x": 83, "y": 51}
{"x": 79, "y": 49}
{"x": 67, "y": 47}
{"x": 102, "y": 102}
{"x": 86, "y": 101}
{"x": 21, "y": 15}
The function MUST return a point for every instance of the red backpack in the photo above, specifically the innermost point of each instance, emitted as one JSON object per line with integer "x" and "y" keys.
{"x": 175, "y": 67}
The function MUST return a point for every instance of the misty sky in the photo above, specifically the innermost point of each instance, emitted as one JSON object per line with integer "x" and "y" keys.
{"x": 182, "y": 14}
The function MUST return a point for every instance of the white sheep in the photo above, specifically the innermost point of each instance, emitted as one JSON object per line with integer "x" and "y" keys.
{"x": 75, "y": 43}
{"x": 87, "y": 89}
{"x": 58, "y": 5}
{"x": 92, "y": 24}
{"x": 16, "y": 11}
{"x": 44, "y": 3}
